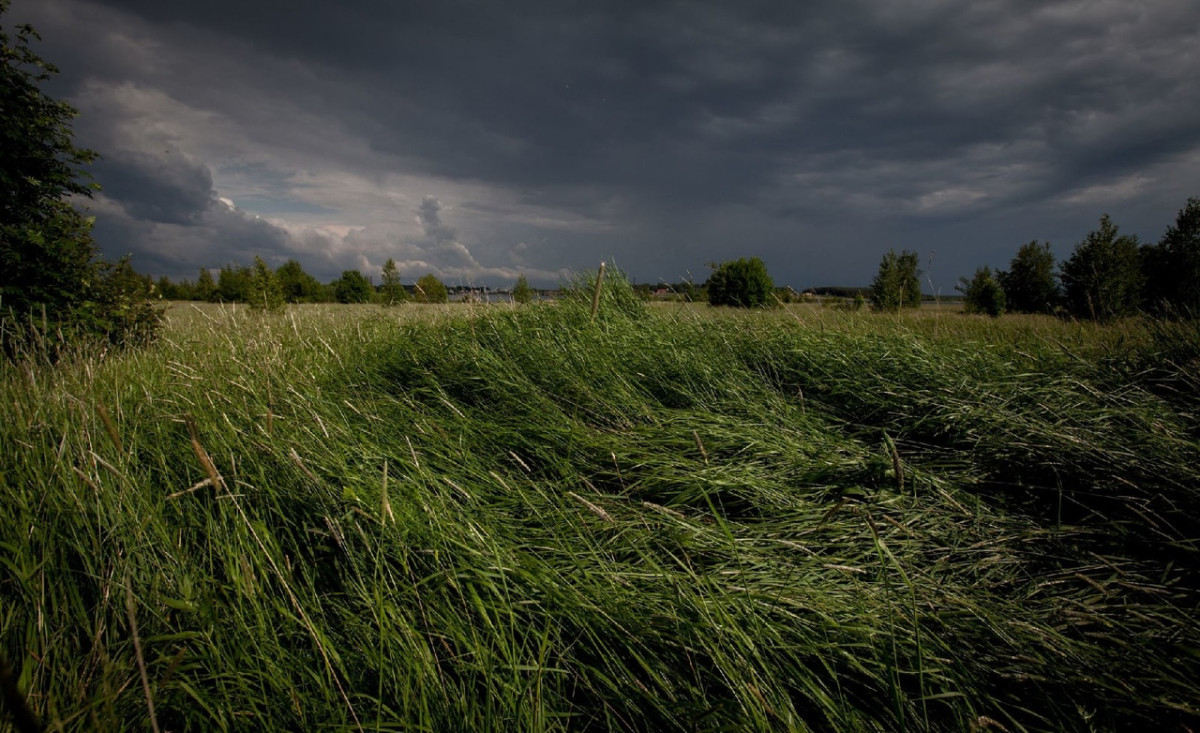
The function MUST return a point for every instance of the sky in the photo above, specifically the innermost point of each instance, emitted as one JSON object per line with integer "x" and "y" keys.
{"x": 480, "y": 140}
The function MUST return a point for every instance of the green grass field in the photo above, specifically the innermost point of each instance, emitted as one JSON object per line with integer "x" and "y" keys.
{"x": 672, "y": 518}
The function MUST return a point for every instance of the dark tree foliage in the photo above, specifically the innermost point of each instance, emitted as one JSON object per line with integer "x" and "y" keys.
{"x": 352, "y": 287}
{"x": 1172, "y": 267}
{"x": 429, "y": 289}
{"x": 206, "y": 288}
{"x": 1029, "y": 284}
{"x": 234, "y": 283}
{"x": 51, "y": 278}
{"x": 390, "y": 289}
{"x": 46, "y": 251}
{"x": 297, "y": 285}
{"x": 168, "y": 290}
{"x": 982, "y": 293}
{"x": 897, "y": 284}
{"x": 521, "y": 292}
{"x": 1102, "y": 280}
{"x": 743, "y": 283}
{"x": 121, "y": 307}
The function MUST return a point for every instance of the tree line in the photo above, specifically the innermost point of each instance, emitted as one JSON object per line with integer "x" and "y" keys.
{"x": 1109, "y": 275}
{"x": 262, "y": 287}
{"x": 265, "y": 289}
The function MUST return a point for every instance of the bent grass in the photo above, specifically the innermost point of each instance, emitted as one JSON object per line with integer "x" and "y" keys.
{"x": 673, "y": 518}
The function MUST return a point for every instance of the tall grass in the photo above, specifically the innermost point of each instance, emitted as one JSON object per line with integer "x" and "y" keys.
{"x": 665, "y": 519}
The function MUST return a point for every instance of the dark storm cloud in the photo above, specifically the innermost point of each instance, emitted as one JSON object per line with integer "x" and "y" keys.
{"x": 553, "y": 134}
{"x": 154, "y": 189}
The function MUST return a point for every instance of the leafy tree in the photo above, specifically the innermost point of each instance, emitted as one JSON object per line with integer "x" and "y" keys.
{"x": 46, "y": 250}
{"x": 48, "y": 260}
{"x": 741, "y": 283}
{"x": 206, "y": 288}
{"x": 352, "y": 287}
{"x": 1172, "y": 267}
{"x": 1029, "y": 284}
{"x": 1103, "y": 277}
{"x": 296, "y": 284}
{"x": 522, "y": 292}
{"x": 897, "y": 284}
{"x": 390, "y": 289}
{"x": 982, "y": 293}
{"x": 234, "y": 283}
{"x": 431, "y": 290}
{"x": 265, "y": 292}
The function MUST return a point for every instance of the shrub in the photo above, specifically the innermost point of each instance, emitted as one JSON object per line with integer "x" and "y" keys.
{"x": 431, "y": 290}
{"x": 522, "y": 293}
{"x": 982, "y": 294}
{"x": 741, "y": 283}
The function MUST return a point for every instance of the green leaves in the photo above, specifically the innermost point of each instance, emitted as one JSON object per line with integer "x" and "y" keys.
{"x": 982, "y": 293}
{"x": 742, "y": 283}
{"x": 897, "y": 284}
{"x": 1103, "y": 278}
{"x": 48, "y": 260}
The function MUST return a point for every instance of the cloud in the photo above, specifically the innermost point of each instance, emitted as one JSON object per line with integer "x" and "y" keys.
{"x": 471, "y": 139}
{"x": 431, "y": 221}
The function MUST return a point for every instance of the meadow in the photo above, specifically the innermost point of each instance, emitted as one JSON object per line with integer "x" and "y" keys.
{"x": 490, "y": 517}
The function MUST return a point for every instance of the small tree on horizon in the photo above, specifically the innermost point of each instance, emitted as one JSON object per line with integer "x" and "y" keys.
{"x": 982, "y": 293}
{"x": 897, "y": 284}
{"x": 740, "y": 283}
{"x": 206, "y": 287}
{"x": 1102, "y": 280}
{"x": 233, "y": 283}
{"x": 265, "y": 293}
{"x": 297, "y": 285}
{"x": 1029, "y": 284}
{"x": 521, "y": 292}
{"x": 390, "y": 290}
{"x": 352, "y": 287}
{"x": 431, "y": 290}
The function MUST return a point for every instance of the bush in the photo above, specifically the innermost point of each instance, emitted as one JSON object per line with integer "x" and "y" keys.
{"x": 122, "y": 309}
{"x": 431, "y": 290}
{"x": 982, "y": 294}
{"x": 741, "y": 283}
{"x": 522, "y": 293}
